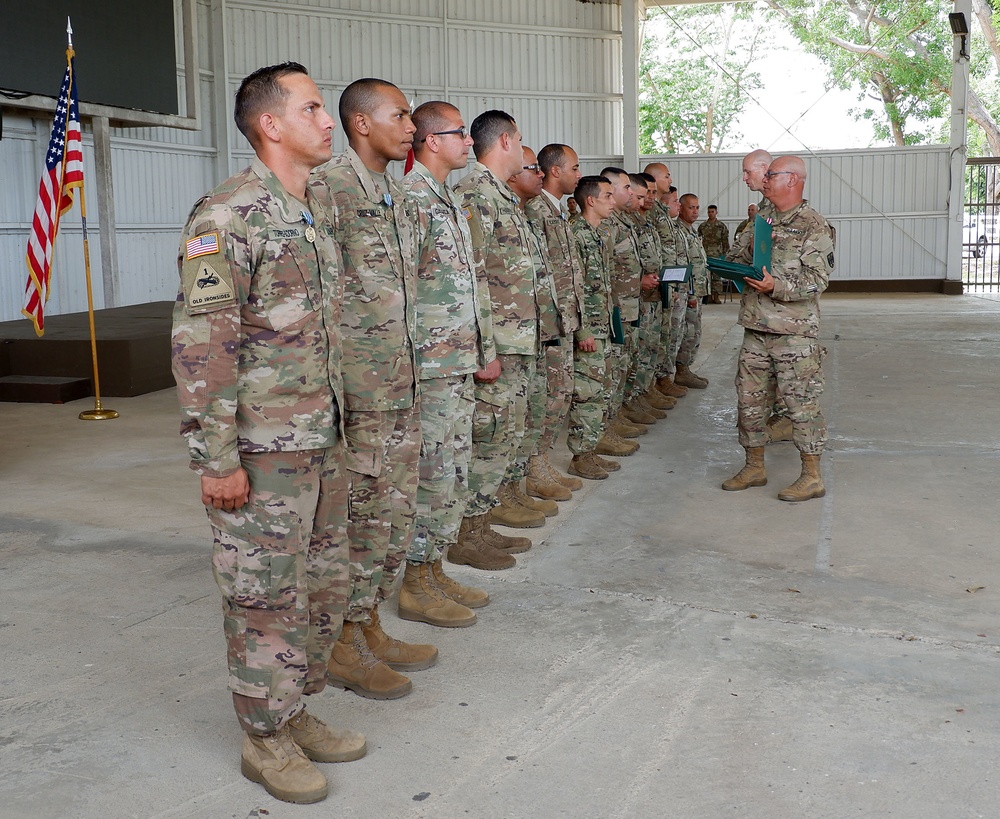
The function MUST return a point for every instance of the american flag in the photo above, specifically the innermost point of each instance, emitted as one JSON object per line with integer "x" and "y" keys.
{"x": 63, "y": 172}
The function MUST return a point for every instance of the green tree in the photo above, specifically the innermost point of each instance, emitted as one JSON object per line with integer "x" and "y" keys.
{"x": 899, "y": 51}
{"x": 695, "y": 75}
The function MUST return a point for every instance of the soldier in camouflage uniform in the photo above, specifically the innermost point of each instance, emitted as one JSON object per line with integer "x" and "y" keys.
{"x": 588, "y": 410}
{"x": 454, "y": 340}
{"x": 715, "y": 239}
{"x": 639, "y": 392}
{"x": 560, "y": 167}
{"x": 690, "y": 251}
{"x": 381, "y": 417}
{"x": 755, "y": 165}
{"x": 751, "y": 214}
{"x": 501, "y": 239}
{"x": 256, "y": 357}
{"x": 625, "y": 285}
{"x": 780, "y": 314}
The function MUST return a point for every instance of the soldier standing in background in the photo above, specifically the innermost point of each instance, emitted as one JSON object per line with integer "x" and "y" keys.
{"x": 751, "y": 213}
{"x": 256, "y": 357}
{"x": 690, "y": 251}
{"x": 501, "y": 243}
{"x": 715, "y": 239}
{"x": 454, "y": 340}
{"x": 560, "y": 167}
{"x": 588, "y": 411}
{"x": 781, "y": 353}
{"x": 381, "y": 418}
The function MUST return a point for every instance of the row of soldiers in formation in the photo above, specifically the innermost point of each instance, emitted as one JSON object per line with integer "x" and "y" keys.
{"x": 372, "y": 374}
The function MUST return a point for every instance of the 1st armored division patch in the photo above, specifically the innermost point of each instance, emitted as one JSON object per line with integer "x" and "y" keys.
{"x": 207, "y": 286}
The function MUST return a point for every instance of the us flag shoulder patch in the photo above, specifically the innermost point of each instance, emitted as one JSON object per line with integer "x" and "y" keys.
{"x": 467, "y": 213}
{"x": 204, "y": 245}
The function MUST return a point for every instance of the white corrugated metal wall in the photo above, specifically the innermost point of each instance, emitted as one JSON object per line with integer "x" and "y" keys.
{"x": 556, "y": 66}
{"x": 889, "y": 206}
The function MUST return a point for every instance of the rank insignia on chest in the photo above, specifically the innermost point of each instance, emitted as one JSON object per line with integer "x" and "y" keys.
{"x": 203, "y": 245}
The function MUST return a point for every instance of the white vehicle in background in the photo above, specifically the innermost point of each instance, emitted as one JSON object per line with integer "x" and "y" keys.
{"x": 977, "y": 232}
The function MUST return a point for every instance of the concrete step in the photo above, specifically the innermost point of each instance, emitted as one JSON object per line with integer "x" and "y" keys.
{"x": 43, "y": 389}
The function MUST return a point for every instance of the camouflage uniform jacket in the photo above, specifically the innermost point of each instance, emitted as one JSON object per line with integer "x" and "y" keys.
{"x": 690, "y": 251}
{"x": 546, "y": 298}
{"x": 563, "y": 260}
{"x": 650, "y": 250}
{"x": 501, "y": 239}
{"x": 802, "y": 257}
{"x": 378, "y": 322}
{"x": 454, "y": 329}
{"x": 627, "y": 274}
{"x": 594, "y": 249}
{"x": 714, "y": 238}
{"x": 255, "y": 344}
{"x": 667, "y": 230}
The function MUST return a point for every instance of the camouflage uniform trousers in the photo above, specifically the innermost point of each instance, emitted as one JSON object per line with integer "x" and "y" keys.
{"x": 559, "y": 379}
{"x": 383, "y": 450}
{"x": 586, "y": 412}
{"x": 537, "y": 401}
{"x": 619, "y": 360}
{"x": 692, "y": 335}
{"x": 790, "y": 366}
{"x": 446, "y": 407}
{"x": 647, "y": 355}
{"x": 281, "y": 564}
{"x": 671, "y": 334}
{"x": 498, "y": 426}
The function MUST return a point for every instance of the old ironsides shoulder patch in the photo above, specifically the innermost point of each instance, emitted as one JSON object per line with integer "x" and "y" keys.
{"x": 208, "y": 285}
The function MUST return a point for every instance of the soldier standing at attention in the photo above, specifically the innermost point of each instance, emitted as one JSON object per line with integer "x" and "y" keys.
{"x": 500, "y": 238}
{"x": 528, "y": 186}
{"x": 588, "y": 410}
{"x": 256, "y": 358}
{"x": 690, "y": 251}
{"x": 715, "y": 239}
{"x": 780, "y": 352}
{"x": 381, "y": 417}
{"x": 560, "y": 167}
{"x": 454, "y": 343}
{"x": 751, "y": 213}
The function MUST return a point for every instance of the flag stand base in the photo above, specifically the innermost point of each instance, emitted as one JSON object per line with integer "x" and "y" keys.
{"x": 98, "y": 414}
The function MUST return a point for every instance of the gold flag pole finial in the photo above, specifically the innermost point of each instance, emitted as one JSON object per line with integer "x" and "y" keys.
{"x": 98, "y": 413}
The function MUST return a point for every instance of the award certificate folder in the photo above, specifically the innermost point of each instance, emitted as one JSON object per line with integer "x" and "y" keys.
{"x": 617, "y": 330}
{"x": 680, "y": 273}
{"x": 762, "y": 238}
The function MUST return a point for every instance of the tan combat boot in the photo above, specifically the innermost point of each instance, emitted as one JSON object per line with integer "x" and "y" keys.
{"x": 539, "y": 482}
{"x": 547, "y": 507}
{"x": 472, "y": 549}
{"x": 634, "y": 414}
{"x": 752, "y": 474}
{"x": 468, "y": 596}
{"x": 779, "y": 428}
{"x": 668, "y": 386}
{"x": 511, "y": 513}
{"x": 278, "y": 763}
{"x": 564, "y": 480}
{"x": 808, "y": 485}
{"x": 686, "y": 378}
{"x": 396, "y": 654}
{"x": 584, "y": 466}
{"x": 606, "y": 465}
{"x": 321, "y": 743}
{"x": 658, "y": 400}
{"x": 623, "y": 429}
{"x": 649, "y": 409}
{"x": 511, "y": 545}
{"x": 353, "y": 666}
{"x": 421, "y": 599}
{"x": 612, "y": 444}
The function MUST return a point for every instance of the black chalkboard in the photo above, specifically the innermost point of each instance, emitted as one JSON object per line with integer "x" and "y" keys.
{"x": 125, "y": 51}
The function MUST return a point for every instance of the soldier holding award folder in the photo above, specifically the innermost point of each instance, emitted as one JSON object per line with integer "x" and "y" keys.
{"x": 781, "y": 351}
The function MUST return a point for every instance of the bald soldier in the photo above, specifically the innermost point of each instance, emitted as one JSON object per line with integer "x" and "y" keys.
{"x": 381, "y": 416}
{"x": 256, "y": 356}
{"x": 781, "y": 352}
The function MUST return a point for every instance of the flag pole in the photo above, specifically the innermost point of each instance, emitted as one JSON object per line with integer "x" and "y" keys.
{"x": 98, "y": 413}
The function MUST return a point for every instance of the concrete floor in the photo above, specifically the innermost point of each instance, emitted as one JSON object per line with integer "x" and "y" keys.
{"x": 669, "y": 650}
